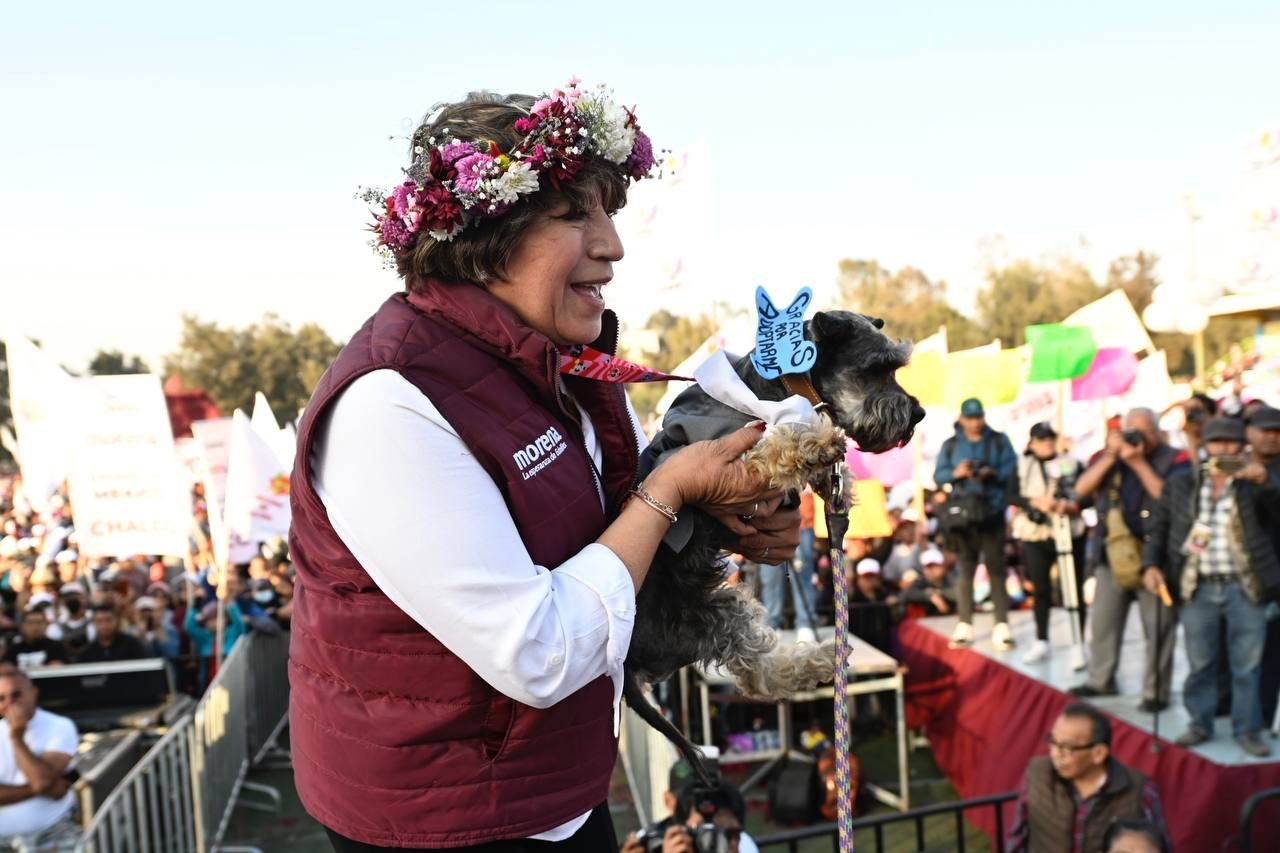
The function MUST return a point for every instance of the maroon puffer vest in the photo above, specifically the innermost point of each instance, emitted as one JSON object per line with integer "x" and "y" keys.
{"x": 396, "y": 741}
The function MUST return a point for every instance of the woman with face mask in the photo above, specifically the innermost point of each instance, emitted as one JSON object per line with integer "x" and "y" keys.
{"x": 1046, "y": 486}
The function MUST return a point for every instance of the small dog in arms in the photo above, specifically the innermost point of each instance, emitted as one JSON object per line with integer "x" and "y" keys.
{"x": 685, "y": 613}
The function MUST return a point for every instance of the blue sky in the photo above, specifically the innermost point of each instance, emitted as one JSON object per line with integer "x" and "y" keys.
{"x": 157, "y": 159}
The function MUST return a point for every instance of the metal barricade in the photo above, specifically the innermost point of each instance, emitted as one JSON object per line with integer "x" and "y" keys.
{"x": 876, "y": 823}
{"x": 179, "y": 797}
{"x": 269, "y": 692}
{"x": 1248, "y": 810}
{"x": 220, "y": 743}
{"x": 152, "y": 810}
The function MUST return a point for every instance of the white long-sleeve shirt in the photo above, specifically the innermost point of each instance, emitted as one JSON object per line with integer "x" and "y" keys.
{"x": 430, "y": 527}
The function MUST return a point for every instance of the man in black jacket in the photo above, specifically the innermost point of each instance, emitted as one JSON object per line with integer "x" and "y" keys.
{"x": 1262, "y": 432}
{"x": 1125, "y": 480}
{"x": 1210, "y": 539}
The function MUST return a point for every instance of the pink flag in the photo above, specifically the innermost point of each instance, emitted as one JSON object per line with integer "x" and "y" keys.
{"x": 1112, "y": 372}
{"x": 894, "y": 466}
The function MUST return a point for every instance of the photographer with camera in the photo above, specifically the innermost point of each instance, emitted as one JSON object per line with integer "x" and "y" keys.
{"x": 702, "y": 818}
{"x": 975, "y": 466}
{"x": 1046, "y": 487}
{"x": 1211, "y": 543}
{"x": 1125, "y": 480}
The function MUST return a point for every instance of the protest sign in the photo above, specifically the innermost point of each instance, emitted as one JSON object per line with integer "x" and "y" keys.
{"x": 44, "y": 400}
{"x": 126, "y": 481}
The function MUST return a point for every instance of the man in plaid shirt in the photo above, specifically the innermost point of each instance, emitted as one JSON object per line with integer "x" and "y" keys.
{"x": 1210, "y": 538}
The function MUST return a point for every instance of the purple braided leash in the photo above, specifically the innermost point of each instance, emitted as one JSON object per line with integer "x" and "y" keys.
{"x": 837, "y": 512}
{"x": 844, "y": 786}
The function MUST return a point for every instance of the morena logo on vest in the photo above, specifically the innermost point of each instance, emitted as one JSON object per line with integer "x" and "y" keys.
{"x": 541, "y": 452}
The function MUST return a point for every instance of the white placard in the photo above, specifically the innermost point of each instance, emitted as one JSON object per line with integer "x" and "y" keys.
{"x": 126, "y": 481}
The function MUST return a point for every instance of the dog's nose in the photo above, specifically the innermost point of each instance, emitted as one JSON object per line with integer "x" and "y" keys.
{"x": 917, "y": 412}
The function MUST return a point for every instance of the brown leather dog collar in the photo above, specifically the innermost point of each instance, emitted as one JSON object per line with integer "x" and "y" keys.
{"x": 799, "y": 383}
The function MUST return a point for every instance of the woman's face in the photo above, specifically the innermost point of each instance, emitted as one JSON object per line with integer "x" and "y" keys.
{"x": 555, "y": 277}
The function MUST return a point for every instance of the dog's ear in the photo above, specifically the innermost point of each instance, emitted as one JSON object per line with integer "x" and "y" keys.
{"x": 823, "y": 326}
{"x": 877, "y": 322}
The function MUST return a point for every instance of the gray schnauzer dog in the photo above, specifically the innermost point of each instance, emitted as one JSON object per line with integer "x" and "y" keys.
{"x": 684, "y": 612}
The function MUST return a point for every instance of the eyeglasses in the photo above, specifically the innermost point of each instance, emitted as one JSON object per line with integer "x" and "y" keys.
{"x": 1073, "y": 748}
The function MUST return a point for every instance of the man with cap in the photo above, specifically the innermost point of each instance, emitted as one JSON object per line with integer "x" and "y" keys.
{"x": 75, "y": 626}
{"x": 932, "y": 590}
{"x": 1262, "y": 432}
{"x": 975, "y": 466}
{"x": 1210, "y": 543}
{"x": 1125, "y": 480}
{"x": 871, "y": 606}
{"x": 671, "y": 835}
{"x": 1046, "y": 487}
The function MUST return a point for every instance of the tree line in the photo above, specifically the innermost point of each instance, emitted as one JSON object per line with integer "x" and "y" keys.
{"x": 285, "y": 363}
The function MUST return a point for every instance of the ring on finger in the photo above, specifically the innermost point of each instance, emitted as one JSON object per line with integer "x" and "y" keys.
{"x": 765, "y": 555}
{"x": 754, "y": 508}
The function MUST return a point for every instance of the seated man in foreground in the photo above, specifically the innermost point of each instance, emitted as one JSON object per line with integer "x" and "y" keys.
{"x": 1071, "y": 797}
{"x": 35, "y": 752}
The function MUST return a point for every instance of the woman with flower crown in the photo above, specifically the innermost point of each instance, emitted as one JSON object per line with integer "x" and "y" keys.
{"x": 468, "y": 529}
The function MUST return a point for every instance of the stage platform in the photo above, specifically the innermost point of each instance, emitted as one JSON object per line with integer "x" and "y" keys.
{"x": 986, "y": 714}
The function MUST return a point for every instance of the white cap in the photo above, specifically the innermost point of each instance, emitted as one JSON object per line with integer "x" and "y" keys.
{"x": 868, "y": 566}
{"x": 932, "y": 557}
{"x": 145, "y": 602}
{"x": 67, "y": 555}
{"x": 910, "y": 514}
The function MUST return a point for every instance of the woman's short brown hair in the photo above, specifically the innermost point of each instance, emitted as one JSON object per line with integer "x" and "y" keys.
{"x": 478, "y": 254}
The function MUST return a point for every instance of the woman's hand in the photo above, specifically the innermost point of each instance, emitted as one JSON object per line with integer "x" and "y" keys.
{"x": 712, "y": 476}
{"x": 776, "y": 537}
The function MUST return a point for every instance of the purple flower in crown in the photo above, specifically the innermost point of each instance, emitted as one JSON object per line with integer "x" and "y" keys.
{"x": 472, "y": 169}
{"x": 394, "y": 234}
{"x": 488, "y": 208}
{"x": 455, "y": 151}
{"x": 641, "y": 160}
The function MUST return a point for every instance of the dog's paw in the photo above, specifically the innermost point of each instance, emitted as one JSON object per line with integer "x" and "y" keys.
{"x": 792, "y": 455}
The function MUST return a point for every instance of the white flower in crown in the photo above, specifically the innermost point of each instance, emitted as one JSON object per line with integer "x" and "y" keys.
{"x": 519, "y": 179}
{"x": 612, "y": 137}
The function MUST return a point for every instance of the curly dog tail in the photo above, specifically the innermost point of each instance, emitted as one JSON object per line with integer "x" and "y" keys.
{"x": 785, "y": 669}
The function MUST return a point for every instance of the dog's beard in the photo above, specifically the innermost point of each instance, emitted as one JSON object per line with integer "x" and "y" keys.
{"x": 878, "y": 423}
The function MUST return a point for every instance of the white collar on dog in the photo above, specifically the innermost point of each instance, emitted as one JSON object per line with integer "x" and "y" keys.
{"x": 721, "y": 382}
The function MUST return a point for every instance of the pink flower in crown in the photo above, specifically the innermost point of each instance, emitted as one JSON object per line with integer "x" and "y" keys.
{"x": 472, "y": 169}
{"x": 403, "y": 199}
{"x": 641, "y": 160}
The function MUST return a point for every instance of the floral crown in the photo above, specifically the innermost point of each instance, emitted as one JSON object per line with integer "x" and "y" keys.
{"x": 453, "y": 184}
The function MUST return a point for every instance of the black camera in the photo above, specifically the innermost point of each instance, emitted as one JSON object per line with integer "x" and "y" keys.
{"x": 706, "y": 801}
{"x": 1035, "y": 516}
{"x": 1132, "y": 437}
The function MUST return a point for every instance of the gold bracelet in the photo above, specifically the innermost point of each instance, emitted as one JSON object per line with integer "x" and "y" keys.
{"x": 668, "y": 511}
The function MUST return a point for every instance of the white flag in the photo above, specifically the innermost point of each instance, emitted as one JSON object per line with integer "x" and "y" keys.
{"x": 1113, "y": 323}
{"x": 282, "y": 441}
{"x": 47, "y": 411}
{"x": 213, "y": 447}
{"x": 257, "y": 503}
{"x": 126, "y": 481}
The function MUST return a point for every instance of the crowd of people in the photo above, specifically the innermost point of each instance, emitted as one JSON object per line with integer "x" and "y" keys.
{"x": 60, "y": 607}
{"x": 1184, "y": 521}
